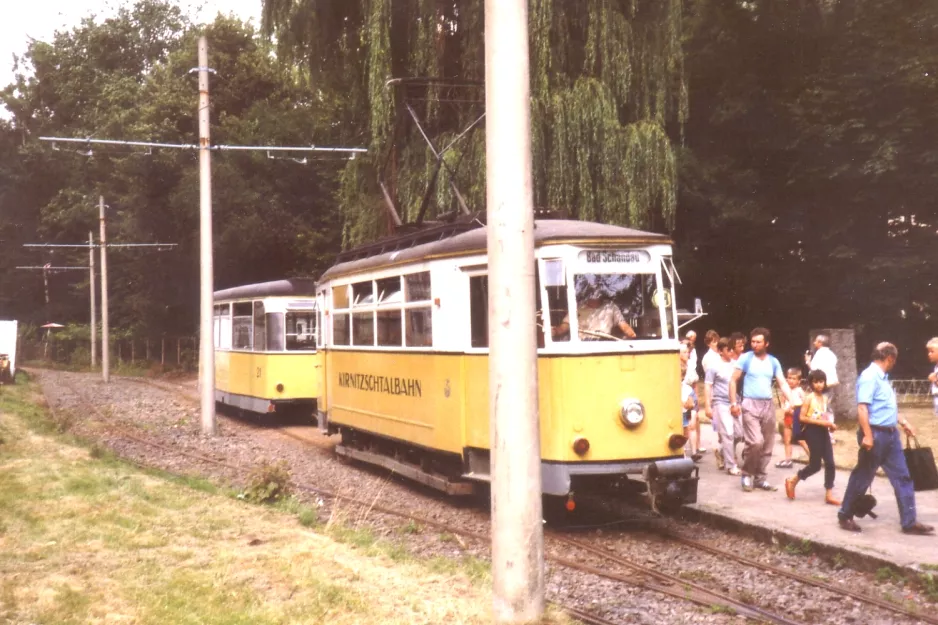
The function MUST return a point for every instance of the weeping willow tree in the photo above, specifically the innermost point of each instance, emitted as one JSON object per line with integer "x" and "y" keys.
{"x": 608, "y": 99}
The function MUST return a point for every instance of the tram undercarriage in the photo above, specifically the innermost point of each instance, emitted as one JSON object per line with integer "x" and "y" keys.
{"x": 665, "y": 483}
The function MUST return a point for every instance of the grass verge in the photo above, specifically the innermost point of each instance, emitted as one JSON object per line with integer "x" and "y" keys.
{"x": 87, "y": 538}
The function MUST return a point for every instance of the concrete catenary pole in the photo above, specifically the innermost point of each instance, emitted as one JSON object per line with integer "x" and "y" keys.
{"x": 517, "y": 533}
{"x": 105, "y": 348}
{"x": 206, "y": 337}
{"x": 94, "y": 314}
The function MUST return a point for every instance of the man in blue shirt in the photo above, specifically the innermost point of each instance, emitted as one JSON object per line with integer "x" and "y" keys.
{"x": 758, "y": 412}
{"x": 881, "y": 444}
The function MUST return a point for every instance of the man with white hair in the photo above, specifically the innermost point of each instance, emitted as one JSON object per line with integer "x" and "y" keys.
{"x": 825, "y": 360}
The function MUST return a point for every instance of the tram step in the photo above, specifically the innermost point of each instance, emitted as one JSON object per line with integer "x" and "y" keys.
{"x": 407, "y": 470}
{"x": 479, "y": 477}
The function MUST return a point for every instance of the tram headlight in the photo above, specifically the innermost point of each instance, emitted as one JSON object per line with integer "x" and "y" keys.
{"x": 631, "y": 412}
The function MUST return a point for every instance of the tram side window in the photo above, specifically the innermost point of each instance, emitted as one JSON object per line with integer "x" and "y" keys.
{"x": 389, "y": 291}
{"x": 222, "y": 326}
{"x": 340, "y": 325}
{"x": 242, "y": 325}
{"x": 363, "y": 322}
{"x": 275, "y": 332}
{"x": 420, "y": 327}
{"x": 418, "y": 318}
{"x": 418, "y": 286}
{"x": 226, "y": 327}
{"x": 389, "y": 328}
{"x": 340, "y": 329}
{"x": 301, "y": 331}
{"x": 390, "y": 295}
{"x": 479, "y": 310}
{"x": 216, "y": 325}
{"x": 260, "y": 328}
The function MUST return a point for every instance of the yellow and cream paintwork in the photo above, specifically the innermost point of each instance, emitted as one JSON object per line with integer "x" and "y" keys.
{"x": 259, "y": 381}
{"x": 581, "y": 384}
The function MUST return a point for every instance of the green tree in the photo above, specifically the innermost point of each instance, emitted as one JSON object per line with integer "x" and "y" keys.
{"x": 128, "y": 77}
{"x": 608, "y": 98}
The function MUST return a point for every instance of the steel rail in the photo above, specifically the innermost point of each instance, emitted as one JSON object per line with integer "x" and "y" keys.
{"x": 667, "y": 584}
{"x": 880, "y": 603}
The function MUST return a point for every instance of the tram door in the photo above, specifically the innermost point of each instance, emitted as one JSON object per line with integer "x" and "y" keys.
{"x": 320, "y": 367}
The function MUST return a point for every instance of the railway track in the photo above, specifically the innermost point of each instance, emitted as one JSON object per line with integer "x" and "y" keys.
{"x": 592, "y": 560}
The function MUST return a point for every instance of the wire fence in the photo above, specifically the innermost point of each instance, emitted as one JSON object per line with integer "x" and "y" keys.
{"x": 912, "y": 391}
{"x": 167, "y": 352}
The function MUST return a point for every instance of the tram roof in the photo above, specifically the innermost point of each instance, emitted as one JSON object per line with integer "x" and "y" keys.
{"x": 474, "y": 241}
{"x": 299, "y": 287}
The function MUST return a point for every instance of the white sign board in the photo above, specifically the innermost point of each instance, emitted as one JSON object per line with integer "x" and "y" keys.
{"x": 8, "y": 342}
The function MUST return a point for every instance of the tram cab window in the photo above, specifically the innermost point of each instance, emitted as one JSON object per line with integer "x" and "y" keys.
{"x": 555, "y": 284}
{"x": 301, "y": 331}
{"x": 604, "y": 301}
{"x": 275, "y": 332}
{"x": 242, "y": 323}
{"x": 260, "y": 328}
{"x": 665, "y": 297}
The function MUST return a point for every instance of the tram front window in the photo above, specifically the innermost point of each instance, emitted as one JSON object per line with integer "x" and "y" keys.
{"x": 614, "y": 306}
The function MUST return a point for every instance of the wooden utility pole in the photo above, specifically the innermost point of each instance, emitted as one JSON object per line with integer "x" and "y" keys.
{"x": 94, "y": 315}
{"x": 206, "y": 335}
{"x": 517, "y": 532}
{"x": 105, "y": 347}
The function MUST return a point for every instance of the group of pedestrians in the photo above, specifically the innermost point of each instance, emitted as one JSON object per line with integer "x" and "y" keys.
{"x": 739, "y": 399}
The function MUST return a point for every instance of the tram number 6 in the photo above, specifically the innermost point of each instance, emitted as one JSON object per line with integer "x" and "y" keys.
{"x": 258, "y": 372}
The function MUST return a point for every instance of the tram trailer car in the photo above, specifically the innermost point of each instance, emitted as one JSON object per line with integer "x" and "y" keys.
{"x": 8, "y": 336}
{"x": 266, "y": 358}
{"x": 405, "y": 372}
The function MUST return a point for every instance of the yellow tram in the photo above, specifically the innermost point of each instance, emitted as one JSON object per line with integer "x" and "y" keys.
{"x": 266, "y": 358}
{"x": 405, "y": 369}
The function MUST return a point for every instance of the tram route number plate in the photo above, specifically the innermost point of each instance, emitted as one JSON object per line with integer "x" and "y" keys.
{"x": 615, "y": 256}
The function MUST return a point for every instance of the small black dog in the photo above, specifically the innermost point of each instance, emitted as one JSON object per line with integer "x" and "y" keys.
{"x": 864, "y": 505}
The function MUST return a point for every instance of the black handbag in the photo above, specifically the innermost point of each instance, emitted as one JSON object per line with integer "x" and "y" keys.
{"x": 921, "y": 463}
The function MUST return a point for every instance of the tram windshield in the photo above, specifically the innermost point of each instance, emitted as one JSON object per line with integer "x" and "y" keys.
{"x": 609, "y": 307}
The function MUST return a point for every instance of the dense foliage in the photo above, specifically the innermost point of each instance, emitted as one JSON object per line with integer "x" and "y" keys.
{"x": 607, "y": 86}
{"x": 790, "y": 148}
{"x": 129, "y": 78}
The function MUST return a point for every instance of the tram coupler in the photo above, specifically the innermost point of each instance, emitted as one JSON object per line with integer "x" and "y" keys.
{"x": 671, "y": 483}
